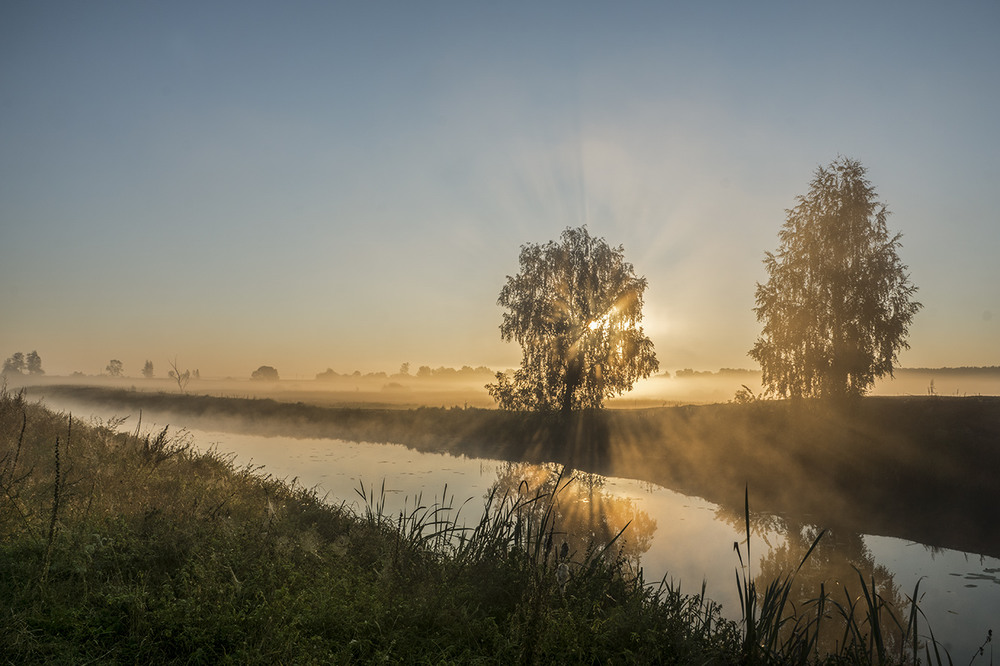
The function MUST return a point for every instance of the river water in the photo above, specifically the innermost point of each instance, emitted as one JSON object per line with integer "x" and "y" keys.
{"x": 686, "y": 539}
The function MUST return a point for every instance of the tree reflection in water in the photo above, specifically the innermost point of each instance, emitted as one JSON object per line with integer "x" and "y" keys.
{"x": 840, "y": 566}
{"x": 581, "y": 514}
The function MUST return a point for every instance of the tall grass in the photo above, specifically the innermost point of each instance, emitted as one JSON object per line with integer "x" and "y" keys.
{"x": 775, "y": 627}
{"x": 870, "y": 629}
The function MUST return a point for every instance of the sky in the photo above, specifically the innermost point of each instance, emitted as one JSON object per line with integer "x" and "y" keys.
{"x": 347, "y": 185}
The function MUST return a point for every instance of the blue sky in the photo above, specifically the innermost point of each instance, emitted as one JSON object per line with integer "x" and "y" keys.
{"x": 346, "y": 185}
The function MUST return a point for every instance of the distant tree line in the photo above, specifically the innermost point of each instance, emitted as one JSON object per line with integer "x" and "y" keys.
{"x": 964, "y": 370}
{"x": 20, "y": 363}
{"x": 426, "y": 372}
{"x": 688, "y": 373}
{"x": 423, "y": 372}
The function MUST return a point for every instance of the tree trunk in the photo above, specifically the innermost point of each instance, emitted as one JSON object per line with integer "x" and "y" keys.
{"x": 574, "y": 375}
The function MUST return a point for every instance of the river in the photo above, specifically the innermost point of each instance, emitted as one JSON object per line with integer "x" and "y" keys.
{"x": 684, "y": 539}
{"x": 691, "y": 540}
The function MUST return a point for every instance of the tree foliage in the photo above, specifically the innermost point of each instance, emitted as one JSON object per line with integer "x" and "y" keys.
{"x": 575, "y": 309}
{"x": 18, "y": 364}
{"x": 265, "y": 373}
{"x": 33, "y": 363}
{"x": 147, "y": 370}
{"x": 14, "y": 364}
{"x": 115, "y": 368}
{"x": 838, "y": 303}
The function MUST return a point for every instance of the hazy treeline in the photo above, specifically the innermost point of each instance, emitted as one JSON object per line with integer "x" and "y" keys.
{"x": 423, "y": 372}
{"x": 963, "y": 370}
{"x": 445, "y": 387}
{"x": 723, "y": 372}
{"x": 29, "y": 365}
{"x": 465, "y": 386}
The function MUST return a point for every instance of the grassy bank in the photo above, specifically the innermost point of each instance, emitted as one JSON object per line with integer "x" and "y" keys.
{"x": 130, "y": 547}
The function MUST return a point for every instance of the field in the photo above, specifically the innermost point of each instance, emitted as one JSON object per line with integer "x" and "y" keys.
{"x": 448, "y": 387}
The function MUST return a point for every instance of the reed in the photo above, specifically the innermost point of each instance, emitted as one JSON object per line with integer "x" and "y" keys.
{"x": 777, "y": 631}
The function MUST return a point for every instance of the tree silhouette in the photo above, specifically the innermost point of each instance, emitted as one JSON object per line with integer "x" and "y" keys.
{"x": 838, "y": 302}
{"x": 115, "y": 368}
{"x": 265, "y": 373}
{"x": 33, "y": 363}
{"x": 575, "y": 309}
{"x": 182, "y": 378}
{"x": 15, "y": 364}
{"x": 147, "y": 370}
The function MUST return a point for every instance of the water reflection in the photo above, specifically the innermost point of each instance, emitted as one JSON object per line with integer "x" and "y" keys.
{"x": 583, "y": 515}
{"x": 834, "y": 564}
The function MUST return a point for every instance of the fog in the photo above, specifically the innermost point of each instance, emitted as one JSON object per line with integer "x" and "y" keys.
{"x": 465, "y": 387}
{"x": 706, "y": 387}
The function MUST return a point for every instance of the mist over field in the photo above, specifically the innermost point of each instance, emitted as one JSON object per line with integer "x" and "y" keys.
{"x": 450, "y": 387}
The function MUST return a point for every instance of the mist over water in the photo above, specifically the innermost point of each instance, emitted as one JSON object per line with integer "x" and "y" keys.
{"x": 688, "y": 386}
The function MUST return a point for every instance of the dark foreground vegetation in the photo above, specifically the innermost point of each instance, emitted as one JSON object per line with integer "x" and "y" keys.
{"x": 916, "y": 468}
{"x": 130, "y": 547}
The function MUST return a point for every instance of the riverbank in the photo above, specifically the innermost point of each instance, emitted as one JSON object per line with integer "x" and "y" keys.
{"x": 915, "y": 468}
{"x": 124, "y": 547}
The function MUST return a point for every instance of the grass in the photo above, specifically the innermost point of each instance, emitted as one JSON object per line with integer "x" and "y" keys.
{"x": 129, "y": 547}
{"x": 865, "y": 628}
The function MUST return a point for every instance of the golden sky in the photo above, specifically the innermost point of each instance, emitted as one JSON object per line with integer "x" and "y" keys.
{"x": 240, "y": 184}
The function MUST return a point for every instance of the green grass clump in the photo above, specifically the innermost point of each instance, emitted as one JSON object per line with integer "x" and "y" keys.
{"x": 131, "y": 547}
